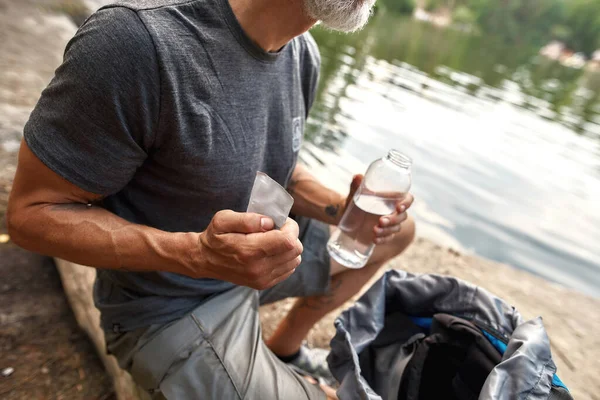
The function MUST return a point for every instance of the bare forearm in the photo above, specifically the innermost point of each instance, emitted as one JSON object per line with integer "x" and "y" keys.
{"x": 312, "y": 199}
{"x": 93, "y": 236}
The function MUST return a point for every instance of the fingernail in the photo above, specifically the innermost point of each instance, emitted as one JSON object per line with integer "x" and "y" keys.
{"x": 378, "y": 230}
{"x": 402, "y": 208}
{"x": 385, "y": 221}
{"x": 266, "y": 223}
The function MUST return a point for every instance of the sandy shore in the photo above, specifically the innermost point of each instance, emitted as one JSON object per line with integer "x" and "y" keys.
{"x": 32, "y": 41}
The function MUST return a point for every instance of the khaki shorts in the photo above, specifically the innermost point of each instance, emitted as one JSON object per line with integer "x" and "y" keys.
{"x": 217, "y": 351}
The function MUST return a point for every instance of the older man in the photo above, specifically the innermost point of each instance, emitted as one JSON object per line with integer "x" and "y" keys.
{"x": 139, "y": 160}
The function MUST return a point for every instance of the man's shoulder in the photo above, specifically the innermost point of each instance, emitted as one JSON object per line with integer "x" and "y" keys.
{"x": 309, "y": 50}
{"x": 141, "y": 5}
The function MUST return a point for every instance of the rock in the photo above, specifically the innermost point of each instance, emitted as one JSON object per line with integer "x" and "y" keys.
{"x": 453, "y": 252}
{"x": 7, "y": 371}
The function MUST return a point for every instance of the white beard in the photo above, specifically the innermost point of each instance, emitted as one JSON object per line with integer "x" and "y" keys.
{"x": 340, "y": 15}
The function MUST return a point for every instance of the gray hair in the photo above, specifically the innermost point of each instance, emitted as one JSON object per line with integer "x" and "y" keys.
{"x": 340, "y": 15}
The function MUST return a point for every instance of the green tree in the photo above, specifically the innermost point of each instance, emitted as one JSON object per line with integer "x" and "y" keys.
{"x": 398, "y": 6}
{"x": 583, "y": 19}
{"x": 463, "y": 15}
{"x": 432, "y": 5}
{"x": 561, "y": 32}
{"x": 519, "y": 21}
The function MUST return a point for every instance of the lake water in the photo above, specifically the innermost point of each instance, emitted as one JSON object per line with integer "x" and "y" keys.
{"x": 506, "y": 146}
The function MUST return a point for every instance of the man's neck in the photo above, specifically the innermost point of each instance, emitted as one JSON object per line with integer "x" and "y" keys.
{"x": 271, "y": 23}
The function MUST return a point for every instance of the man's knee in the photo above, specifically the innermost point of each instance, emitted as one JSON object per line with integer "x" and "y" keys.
{"x": 407, "y": 234}
{"x": 402, "y": 239}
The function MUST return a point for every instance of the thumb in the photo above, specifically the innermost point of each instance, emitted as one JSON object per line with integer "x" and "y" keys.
{"x": 354, "y": 185}
{"x": 228, "y": 221}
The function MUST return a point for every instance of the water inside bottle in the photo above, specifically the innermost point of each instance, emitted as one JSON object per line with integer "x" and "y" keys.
{"x": 352, "y": 244}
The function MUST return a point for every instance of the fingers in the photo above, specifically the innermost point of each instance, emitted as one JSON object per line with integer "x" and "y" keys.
{"x": 310, "y": 379}
{"x": 405, "y": 203}
{"x": 354, "y": 185}
{"x": 228, "y": 221}
{"x": 329, "y": 392}
{"x": 285, "y": 268}
{"x": 276, "y": 270}
{"x": 269, "y": 274}
{"x": 279, "y": 279}
{"x": 264, "y": 245}
{"x": 391, "y": 220}
{"x": 282, "y": 258}
{"x": 290, "y": 227}
{"x": 383, "y": 239}
{"x": 246, "y": 250}
{"x": 392, "y": 225}
{"x": 398, "y": 216}
{"x": 390, "y": 230}
{"x": 254, "y": 233}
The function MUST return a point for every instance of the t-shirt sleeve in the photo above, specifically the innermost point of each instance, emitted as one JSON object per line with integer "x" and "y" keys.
{"x": 311, "y": 66}
{"x": 95, "y": 122}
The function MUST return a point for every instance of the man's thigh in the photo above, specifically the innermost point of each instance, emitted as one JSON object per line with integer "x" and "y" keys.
{"x": 216, "y": 353}
{"x": 313, "y": 274}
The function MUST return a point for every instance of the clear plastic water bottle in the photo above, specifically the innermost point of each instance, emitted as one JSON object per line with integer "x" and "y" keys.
{"x": 386, "y": 181}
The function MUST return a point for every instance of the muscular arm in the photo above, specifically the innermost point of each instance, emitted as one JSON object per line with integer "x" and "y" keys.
{"x": 312, "y": 199}
{"x": 50, "y": 215}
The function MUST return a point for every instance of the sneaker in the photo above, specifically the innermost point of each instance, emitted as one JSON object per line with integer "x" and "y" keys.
{"x": 314, "y": 363}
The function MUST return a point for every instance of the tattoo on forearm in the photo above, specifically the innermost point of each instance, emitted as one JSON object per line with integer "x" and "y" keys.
{"x": 332, "y": 210}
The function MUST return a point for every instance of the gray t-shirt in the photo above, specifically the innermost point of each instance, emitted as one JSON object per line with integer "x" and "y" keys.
{"x": 169, "y": 109}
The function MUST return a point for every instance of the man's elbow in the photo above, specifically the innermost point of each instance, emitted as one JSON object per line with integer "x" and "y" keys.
{"x": 16, "y": 225}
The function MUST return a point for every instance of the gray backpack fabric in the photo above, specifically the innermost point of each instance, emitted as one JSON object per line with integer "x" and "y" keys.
{"x": 418, "y": 337}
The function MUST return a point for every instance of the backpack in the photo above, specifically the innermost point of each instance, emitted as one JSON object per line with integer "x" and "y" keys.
{"x": 428, "y": 337}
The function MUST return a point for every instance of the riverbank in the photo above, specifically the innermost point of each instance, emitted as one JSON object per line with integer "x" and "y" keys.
{"x": 33, "y": 40}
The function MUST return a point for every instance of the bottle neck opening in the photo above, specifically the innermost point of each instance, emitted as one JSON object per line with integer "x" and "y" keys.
{"x": 399, "y": 159}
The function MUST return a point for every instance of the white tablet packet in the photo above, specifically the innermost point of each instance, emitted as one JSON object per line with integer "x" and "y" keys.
{"x": 270, "y": 198}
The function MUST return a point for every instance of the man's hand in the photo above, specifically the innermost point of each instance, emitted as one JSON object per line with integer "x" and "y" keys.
{"x": 388, "y": 225}
{"x": 330, "y": 393}
{"x": 243, "y": 248}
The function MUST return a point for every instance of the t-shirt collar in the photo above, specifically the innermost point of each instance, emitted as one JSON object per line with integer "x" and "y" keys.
{"x": 236, "y": 29}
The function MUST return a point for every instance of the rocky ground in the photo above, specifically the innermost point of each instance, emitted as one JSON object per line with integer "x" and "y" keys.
{"x": 39, "y": 337}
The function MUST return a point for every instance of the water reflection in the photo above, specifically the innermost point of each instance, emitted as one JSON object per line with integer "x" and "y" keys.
{"x": 506, "y": 145}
